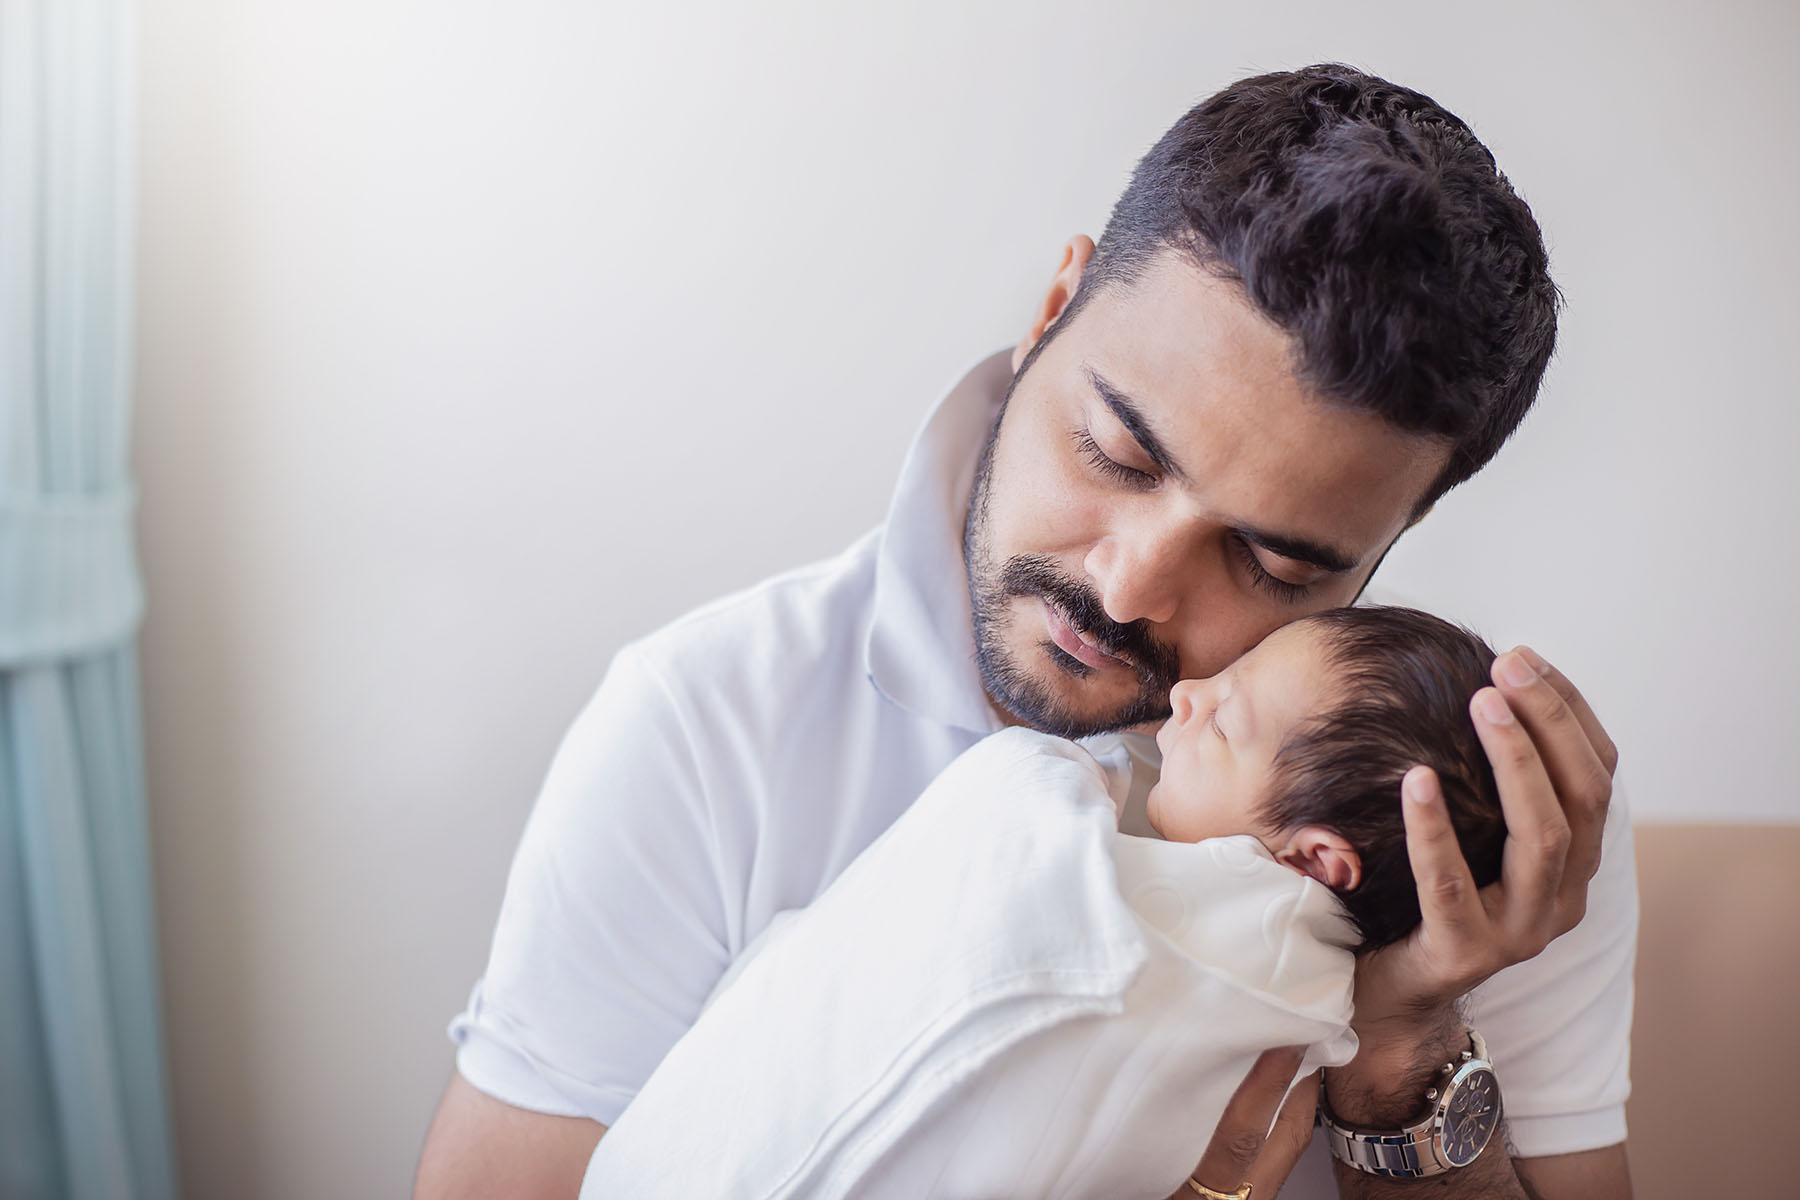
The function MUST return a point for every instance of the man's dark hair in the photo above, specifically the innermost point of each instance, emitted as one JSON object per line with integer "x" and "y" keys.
{"x": 1370, "y": 224}
{"x": 1403, "y": 680}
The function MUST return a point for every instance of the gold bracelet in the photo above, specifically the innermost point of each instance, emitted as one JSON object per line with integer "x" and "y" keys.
{"x": 1243, "y": 1193}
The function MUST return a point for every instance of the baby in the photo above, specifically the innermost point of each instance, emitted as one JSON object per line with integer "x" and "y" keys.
{"x": 1004, "y": 995}
{"x": 1303, "y": 741}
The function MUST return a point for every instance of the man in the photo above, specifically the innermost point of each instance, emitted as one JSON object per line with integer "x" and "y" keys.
{"x": 1315, "y": 309}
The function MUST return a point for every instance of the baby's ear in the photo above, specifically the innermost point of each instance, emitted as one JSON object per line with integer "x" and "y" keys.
{"x": 1324, "y": 855}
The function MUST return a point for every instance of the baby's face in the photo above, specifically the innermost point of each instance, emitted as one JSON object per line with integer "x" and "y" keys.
{"x": 1219, "y": 745}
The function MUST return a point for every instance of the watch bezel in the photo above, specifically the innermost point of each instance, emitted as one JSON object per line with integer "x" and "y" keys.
{"x": 1459, "y": 1082}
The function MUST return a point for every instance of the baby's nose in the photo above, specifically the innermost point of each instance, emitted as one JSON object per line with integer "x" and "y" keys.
{"x": 1181, "y": 700}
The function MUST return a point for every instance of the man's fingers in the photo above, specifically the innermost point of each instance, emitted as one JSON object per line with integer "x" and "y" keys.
{"x": 1244, "y": 1127}
{"x": 1448, "y": 902}
{"x": 1577, "y": 755}
{"x": 1537, "y": 832}
{"x": 1288, "y": 1140}
{"x": 1603, "y": 746}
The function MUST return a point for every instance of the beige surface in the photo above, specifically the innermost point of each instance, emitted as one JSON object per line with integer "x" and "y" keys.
{"x": 1715, "y": 1052}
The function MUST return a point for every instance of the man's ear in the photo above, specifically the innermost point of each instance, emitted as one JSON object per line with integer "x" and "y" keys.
{"x": 1324, "y": 855}
{"x": 1062, "y": 290}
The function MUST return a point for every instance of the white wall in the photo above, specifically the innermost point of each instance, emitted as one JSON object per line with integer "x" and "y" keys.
{"x": 478, "y": 337}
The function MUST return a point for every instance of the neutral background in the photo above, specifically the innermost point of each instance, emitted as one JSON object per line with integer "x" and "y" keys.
{"x": 477, "y": 338}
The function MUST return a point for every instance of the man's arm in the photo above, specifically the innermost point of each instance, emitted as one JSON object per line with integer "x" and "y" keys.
{"x": 1602, "y": 1174}
{"x": 607, "y": 913}
{"x": 610, "y": 934}
{"x": 479, "y": 1147}
{"x": 1554, "y": 765}
{"x": 1589, "y": 1175}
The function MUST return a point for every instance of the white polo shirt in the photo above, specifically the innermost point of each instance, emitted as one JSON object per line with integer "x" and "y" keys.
{"x": 734, "y": 762}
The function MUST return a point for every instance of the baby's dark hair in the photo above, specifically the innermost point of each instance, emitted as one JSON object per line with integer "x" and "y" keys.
{"x": 1403, "y": 681}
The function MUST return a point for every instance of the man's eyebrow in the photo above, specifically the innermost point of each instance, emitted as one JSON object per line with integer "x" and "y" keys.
{"x": 1301, "y": 549}
{"x": 1291, "y": 546}
{"x": 1132, "y": 418}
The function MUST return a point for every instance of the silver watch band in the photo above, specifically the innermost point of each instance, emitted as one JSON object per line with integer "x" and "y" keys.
{"x": 1396, "y": 1155}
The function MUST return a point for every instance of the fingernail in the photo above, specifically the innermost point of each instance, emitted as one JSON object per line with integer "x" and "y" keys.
{"x": 1492, "y": 707}
{"x": 1516, "y": 670}
{"x": 1533, "y": 657}
{"x": 1412, "y": 785}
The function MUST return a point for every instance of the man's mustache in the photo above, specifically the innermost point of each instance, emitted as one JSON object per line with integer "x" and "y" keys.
{"x": 1035, "y": 575}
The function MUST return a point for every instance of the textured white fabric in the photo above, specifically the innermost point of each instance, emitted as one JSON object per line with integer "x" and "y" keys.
{"x": 733, "y": 763}
{"x": 1002, "y": 996}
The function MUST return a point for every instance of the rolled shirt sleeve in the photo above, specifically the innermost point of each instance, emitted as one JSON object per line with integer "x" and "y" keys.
{"x": 611, "y": 933}
{"x": 1559, "y": 1026}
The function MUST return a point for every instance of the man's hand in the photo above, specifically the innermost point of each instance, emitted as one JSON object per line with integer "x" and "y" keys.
{"x": 1554, "y": 765}
{"x": 1244, "y": 1149}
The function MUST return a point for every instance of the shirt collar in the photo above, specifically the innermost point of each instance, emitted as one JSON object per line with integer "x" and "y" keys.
{"x": 921, "y": 646}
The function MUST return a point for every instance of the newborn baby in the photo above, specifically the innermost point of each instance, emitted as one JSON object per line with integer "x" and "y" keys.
{"x": 1303, "y": 741}
{"x": 1005, "y": 996}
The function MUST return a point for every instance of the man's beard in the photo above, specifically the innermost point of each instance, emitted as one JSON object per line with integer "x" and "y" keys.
{"x": 992, "y": 587}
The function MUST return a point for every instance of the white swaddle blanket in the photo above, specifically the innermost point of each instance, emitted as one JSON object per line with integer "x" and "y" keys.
{"x": 1001, "y": 997}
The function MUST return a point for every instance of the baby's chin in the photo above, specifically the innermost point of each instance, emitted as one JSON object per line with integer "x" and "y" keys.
{"x": 1152, "y": 799}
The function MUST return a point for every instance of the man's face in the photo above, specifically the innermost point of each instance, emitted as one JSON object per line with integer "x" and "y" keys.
{"x": 1161, "y": 493}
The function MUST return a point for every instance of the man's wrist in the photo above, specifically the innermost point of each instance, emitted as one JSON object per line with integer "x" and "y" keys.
{"x": 1396, "y": 1062}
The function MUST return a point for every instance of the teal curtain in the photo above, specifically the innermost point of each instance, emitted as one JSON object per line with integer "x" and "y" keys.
{"x": 83, "y": 1100}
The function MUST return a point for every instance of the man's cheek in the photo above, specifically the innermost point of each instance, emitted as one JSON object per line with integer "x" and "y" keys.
{"x": 1048, "y": 510}
{"x": 1219, "y": 635}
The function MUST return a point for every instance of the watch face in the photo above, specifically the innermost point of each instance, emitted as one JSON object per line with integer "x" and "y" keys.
{"x": 1471, "y": 1116}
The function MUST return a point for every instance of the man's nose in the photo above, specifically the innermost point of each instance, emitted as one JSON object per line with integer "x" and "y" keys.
{"x": 1138, "y": 573}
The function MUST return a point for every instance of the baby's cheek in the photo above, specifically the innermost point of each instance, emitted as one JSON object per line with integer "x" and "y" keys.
{"x": 1186, "y": 818}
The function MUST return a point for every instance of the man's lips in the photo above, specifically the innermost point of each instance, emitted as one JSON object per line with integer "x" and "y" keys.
{"x": 1078, "y": 645}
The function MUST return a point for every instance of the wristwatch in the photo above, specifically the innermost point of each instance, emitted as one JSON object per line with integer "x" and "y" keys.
{"x": 1464, "y": 1112}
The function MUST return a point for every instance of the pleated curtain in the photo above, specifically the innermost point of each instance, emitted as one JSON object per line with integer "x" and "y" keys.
{"x": 83, "y": 1098}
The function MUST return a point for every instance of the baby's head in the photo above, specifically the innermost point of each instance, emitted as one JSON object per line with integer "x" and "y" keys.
{"x": 1303, "y": 741}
